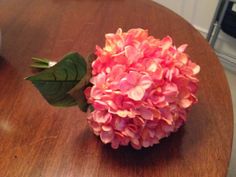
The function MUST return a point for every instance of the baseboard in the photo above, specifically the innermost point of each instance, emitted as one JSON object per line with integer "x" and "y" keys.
{"x": 229, "y": 62}
{"x": 201, "y": 30}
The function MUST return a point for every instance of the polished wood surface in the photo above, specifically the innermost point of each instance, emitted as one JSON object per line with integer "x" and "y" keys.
{"x": 38, "y": 140}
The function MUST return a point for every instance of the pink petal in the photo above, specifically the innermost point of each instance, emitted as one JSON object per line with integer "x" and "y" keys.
{"x": 136, "y": 93}
{"x": 156, "y": 113}
{"x": 183, "y": 58}
{"x": 112, "y": 104}
{"x": 135, "y": 141}
{"x": 115, "y": 144}
{"x": 122, "y": 113}
{"x": 181, "y": 81}
{"x": 126, "y": 113}
{"x": 193, "y": 87}
{"x": 152, "y": 67}
{"x": 87, "y": 92}
{"x": 133, "y": 77}
{"x": 146, "y": 114}
{"x": 167, "y": 116}
{"x": 129, "y": 132}
{"x": 99, "y": 80}
{"x": 118, "y": 100}
{"x": 119, "y": 31}
{"x": 182, "y": 48}
{"x": 120, "y": 58}
{"x": 139, "y": 121}
{"x": 106, "y": 128}
{"x": 168, "y": 128}
{"x": 128, "y": 104}
{"x": 117, "y": 72}
{"x": 107, "y": 136}
{"x": 162, "y": 104}
{"x": 178, "y": 124}
{"x": 145, "y": 82}
{"x": 99, "y": 50}
{"x": 185, "y": 103}
{"x": 146, "y": 143}
{"x": 184, "y": 93}
{"x": 119, "y": 124}
{"x": 132, "y": 54}
{"x": 196, "y": 69}
{"x": 96, "y": 93}
{"x": 138, "y": 147}
{"x": 125, "y": 85}
{"x": 160, "y": 134}
{"x": 138, "y": 33}
{"x": 96, "y": 127}
{"x": 166, "y": 42}
{"x": 101, "y": 116}
{"x": 170, "y": 89}
{"x": 99, "y": 105}
{"x": 169, "y": 74}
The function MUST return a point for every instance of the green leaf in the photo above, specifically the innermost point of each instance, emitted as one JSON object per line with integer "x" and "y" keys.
{"x": 55, "y": 83}
{"x": 78, "y": 91}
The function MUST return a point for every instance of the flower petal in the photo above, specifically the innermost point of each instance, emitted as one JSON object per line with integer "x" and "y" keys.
{"x": 107, "y": 136}
{"x": 146, "y": 114}
{"x": 136, "y": 93}
{"x": 182, "y": 48}
{"x": 132, "y": 54}
{"x": 145, "y": 82}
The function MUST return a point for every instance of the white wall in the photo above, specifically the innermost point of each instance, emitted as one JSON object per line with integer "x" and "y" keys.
{"x": 199, "y": 13}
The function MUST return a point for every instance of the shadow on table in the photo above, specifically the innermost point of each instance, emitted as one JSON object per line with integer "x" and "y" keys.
{"x": 126, "y": 157}
{"x": 178, "y": 151}
{"x": 2, "y": 62}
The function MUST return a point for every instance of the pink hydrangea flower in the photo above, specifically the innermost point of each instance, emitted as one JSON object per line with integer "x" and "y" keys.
{"x": 142, "y": 89}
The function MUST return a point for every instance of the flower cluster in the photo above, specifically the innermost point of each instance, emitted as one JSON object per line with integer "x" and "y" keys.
{"x": 142, "y": 89}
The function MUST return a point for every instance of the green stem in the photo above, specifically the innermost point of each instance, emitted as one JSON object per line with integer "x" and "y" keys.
{"x": 42, "y": 63}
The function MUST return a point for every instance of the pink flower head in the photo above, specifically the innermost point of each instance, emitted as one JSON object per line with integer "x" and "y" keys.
{"x": 142, "y": 89}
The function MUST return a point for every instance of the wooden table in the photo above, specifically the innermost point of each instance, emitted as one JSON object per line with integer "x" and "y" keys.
{"x": 38, "y": 140}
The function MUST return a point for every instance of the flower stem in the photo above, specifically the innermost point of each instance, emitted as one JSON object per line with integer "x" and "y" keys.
{"x": 42, "y": 63}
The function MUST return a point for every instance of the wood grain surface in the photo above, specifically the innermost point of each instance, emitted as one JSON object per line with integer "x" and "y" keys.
{"x": 38, "y": 140}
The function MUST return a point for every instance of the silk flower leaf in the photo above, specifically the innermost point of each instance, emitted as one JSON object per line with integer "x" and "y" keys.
{"x": 55, "y": 82}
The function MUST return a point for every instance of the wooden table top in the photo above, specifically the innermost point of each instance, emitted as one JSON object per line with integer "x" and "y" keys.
{"x": 38, "y": 140}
